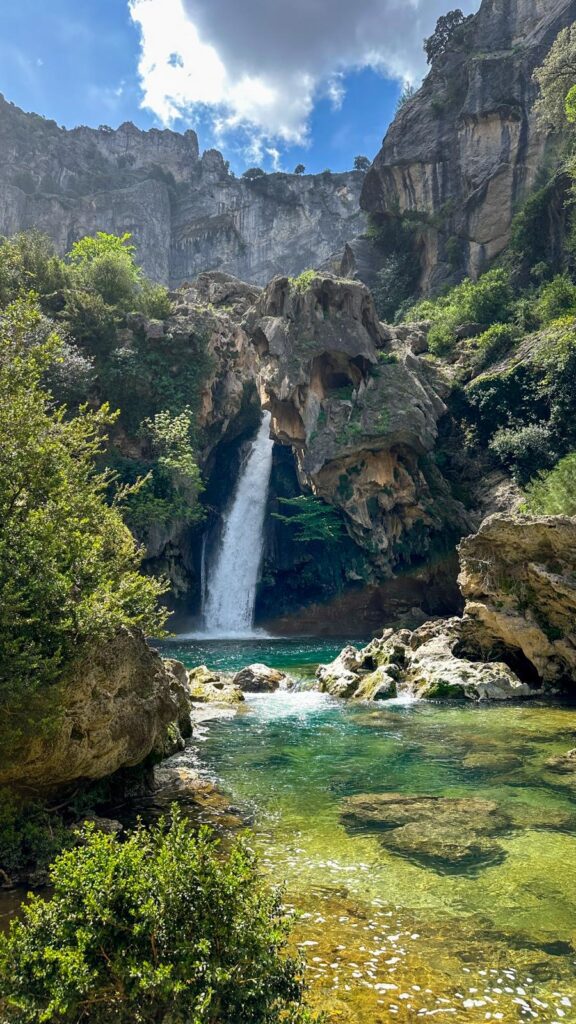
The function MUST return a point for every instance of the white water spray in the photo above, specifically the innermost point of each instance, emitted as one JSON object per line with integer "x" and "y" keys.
{"x": 230, "y": 590}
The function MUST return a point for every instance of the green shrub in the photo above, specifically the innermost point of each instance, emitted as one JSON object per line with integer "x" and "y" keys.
{"x": 311, "y": 518}
{"x": 554, "y": 493}
{"x": 495, "y": 343}
{"x": 68, "y": 564}
{"x": 556, "y": 299}
{"x": 526, "y": 450}
{"x": 160, "y": 928}
{"x": 485, "y": 302}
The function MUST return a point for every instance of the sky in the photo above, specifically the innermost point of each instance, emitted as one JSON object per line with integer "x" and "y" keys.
{"x": 269, "y": 83}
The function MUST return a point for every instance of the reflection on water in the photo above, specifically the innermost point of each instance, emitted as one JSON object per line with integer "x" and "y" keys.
{"x": 386, "y": 936}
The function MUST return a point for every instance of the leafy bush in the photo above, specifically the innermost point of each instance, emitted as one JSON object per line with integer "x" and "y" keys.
{"x": 554, "y": 493}
{"x": 68, "y": 564}
{"x": 304, "y": 280}
{"x": 312, "y": 518}
{"x": 526, "y": 450}
{"x": 485, "y": 302}
{"x": 159, "y": 928}
{"x": 494, "y": 343}
{"x": 29, "y": 262}
{"x": 104, "y": 264}
{"x": 556, "y": 299}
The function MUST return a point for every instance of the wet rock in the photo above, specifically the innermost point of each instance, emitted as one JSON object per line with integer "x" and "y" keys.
{"x": 208, "y": 687}
{"x": 259, "y": 679}
{"x": 378, "y": 685}
{"x": 442, "y": 832}
{"x": 198, "y": 797}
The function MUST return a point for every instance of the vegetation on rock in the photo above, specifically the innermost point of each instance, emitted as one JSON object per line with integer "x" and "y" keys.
{"x": 160, "y": 927}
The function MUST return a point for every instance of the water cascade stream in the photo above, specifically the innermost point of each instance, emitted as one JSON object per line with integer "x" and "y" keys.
{"x": 232, "y": 576}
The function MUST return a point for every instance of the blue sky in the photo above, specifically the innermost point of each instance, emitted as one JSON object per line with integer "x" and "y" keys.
{"x": 316, "y": 82}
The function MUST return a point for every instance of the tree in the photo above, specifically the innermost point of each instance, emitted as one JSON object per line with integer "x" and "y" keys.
{"x": 361, "y": 163}
{"x": 556, "y": 78}
{"x": 162, "y": 927}
{"x": 312, "y": 518}
{"x": 299, "y": 169}
{"x": 104, "y": 264}
{"x": 407, "y": 93}
{"x": 445, "y": 33}
{"x": 554, "y": 493}
{"x": 253, "y": 172}
{"x": 69, "y": 567}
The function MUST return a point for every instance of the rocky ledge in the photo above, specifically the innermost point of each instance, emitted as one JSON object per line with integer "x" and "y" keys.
{"x": 517, "y": 637}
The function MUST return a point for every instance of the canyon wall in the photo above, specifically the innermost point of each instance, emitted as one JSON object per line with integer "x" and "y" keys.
{"x": 187, "y": 213}
{"x": 464, "y": 151}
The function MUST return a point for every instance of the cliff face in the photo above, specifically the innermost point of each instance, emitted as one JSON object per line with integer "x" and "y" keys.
{"x": 462, "y": 153}
{"x": 360, "y": 411}
{"x": 187, "y": 213}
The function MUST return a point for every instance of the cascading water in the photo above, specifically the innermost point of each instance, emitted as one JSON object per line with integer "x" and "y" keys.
{"x": 230, "y": 588}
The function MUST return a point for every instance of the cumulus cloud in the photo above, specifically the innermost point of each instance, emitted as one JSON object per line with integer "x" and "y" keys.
{"x": 261, "y": 65}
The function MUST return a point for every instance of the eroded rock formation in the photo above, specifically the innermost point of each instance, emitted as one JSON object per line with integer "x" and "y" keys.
{"x": 360, "y": 410}
{"x": 187, "y": 213}
{"x": 517, "y": 637}
{"x": 463, "y": 152}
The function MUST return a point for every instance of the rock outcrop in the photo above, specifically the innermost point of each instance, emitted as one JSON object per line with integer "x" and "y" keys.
{"x": 186, "y": 213}
{"x": 464, "y": 151}
{"x": 360, "y": 411}
{"x": 517, "y": 636}
{"x": 518, "y": 576}
{"x": 428, "y": 663}
{"x": 118, "y": 702}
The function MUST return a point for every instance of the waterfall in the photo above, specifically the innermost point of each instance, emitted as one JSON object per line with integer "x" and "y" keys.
{"x": 230, "y": 588}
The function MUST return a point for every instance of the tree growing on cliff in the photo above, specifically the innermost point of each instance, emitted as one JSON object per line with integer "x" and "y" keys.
{"x": 445, "y": 35}
{"x": 556, "y": 78}
{"x": 299, "y": 169}
{"x": 69, "y": 567}
{"x": 162, "y": 927}
{"x": 361, "y": 163}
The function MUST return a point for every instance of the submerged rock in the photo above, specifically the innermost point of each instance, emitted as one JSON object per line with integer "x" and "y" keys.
{"x": 442, "y": 832}
{"x": 259, "y": 679}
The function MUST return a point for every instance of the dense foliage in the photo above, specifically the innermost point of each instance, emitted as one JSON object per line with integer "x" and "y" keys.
{"x": 554, "y": 493}
{"x": 444, "y": 35}
{"x": 69, "y": 567}
{"x": 162, "y": 927}
{"x": 96, "y": 296}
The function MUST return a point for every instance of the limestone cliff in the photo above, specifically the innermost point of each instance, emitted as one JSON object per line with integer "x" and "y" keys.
{"x": 186, "y": 213}
{"x": 462, "y": 153}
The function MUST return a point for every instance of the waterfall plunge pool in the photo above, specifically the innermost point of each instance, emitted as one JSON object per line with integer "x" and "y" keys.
{"x": 388, "y": 936}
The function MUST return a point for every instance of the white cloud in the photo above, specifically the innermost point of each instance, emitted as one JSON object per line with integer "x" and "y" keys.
{"x": 261, "y": 65}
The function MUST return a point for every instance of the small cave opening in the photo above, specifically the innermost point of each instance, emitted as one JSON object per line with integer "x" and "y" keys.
{"x": 335, "y": 371}
{"x": 513, "y": 657}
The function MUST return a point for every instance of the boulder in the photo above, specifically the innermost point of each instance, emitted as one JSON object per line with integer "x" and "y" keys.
{"x": 441, "y": 832}
{"x": 518, "y": 576}
{"x": 259, "y": 679}
{"x": 117, "y": 701}
{"x": 208, "y": 687}
{"x": 377, "y": 685}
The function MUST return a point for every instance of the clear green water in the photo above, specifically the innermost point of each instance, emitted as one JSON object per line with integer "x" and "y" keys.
{"x": 298, "y": 655}
{"x": 388, "y": 938}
